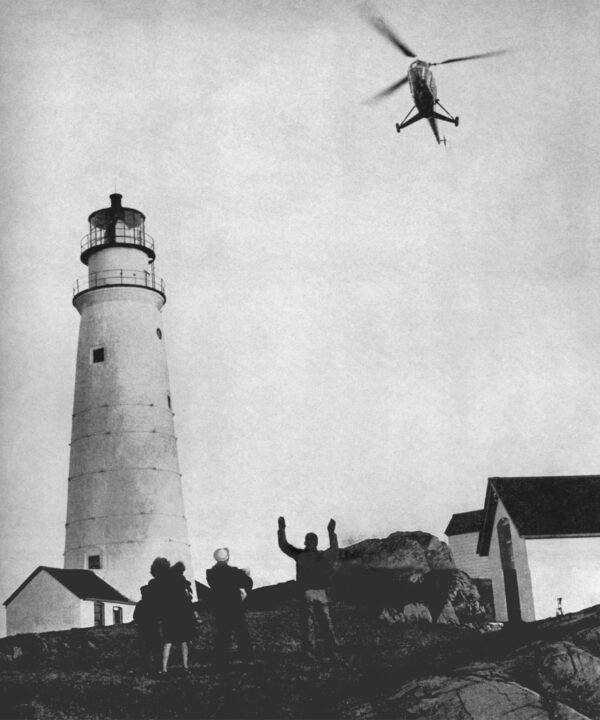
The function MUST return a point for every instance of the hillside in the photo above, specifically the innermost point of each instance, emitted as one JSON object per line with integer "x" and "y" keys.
{"x": 549, "y": 669}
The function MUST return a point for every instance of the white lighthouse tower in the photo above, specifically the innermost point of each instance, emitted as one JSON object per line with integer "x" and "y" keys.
{"x": 125, "y": 503}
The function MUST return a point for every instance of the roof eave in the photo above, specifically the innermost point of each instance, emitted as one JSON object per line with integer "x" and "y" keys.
{"x": 485, "y": 534}
{"x": 553, "y": 536}
{"x": 124, "y": 601}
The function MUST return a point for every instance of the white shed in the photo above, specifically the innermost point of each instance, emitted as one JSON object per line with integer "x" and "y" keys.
{"x": 58, "y": 599}
{"x": 542, "y": 538}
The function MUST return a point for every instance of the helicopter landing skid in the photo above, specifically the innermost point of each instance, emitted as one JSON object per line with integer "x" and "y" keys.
{"x": 419, "y": 116}
{"x": 448, "y": 117}
{"x": 406, "y": 122}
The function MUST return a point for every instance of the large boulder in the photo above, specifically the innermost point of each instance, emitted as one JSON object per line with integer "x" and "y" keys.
{"x": 403, "y": 571}
{"x": 462, "y": 595}
{"x": 462, "y": 698}
{"x": 570, "y": 674}
{"x": 402, "y": 551}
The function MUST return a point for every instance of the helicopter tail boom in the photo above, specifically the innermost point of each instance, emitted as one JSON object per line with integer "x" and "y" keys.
{"x": 434, "y": 127}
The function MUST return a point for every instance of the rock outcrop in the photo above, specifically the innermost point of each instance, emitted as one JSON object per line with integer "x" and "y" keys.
{"x": 569, "y": 673}
{"x": 400, "y": 574}
{"x": 466, "y": 698}
{"x": 533, "y": 678}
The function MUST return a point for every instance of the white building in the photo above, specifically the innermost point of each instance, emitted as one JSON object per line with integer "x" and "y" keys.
{"x": 58, "y": 599}
{"x": 541, "y": 538}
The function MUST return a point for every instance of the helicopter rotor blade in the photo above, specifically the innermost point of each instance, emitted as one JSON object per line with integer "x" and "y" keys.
{"x": 388, "y": 91}
{"x": 384, "y": 29}
{"x": 470, "y": 57}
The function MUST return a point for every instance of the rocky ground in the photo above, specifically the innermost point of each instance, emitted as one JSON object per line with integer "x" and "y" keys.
{"x": 549, "y": 669}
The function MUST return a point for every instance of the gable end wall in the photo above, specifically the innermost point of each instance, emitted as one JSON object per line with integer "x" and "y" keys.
{"x": 43, "y": 604}
{"x": 521, "y": 566}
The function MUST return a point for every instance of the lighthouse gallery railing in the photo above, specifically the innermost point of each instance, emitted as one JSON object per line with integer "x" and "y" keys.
{"x": 108, "y": 278}
{"x": 117, "y": 236}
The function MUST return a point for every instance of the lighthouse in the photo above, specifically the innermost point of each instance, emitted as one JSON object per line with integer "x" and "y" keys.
{"x": 125, "y": 502}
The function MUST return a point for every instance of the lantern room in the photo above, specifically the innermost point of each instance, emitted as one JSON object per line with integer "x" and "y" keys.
{"x": 116, "y": 226}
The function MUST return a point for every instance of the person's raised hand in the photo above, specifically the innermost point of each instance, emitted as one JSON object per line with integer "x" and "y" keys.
{"x": 281, "y": 522}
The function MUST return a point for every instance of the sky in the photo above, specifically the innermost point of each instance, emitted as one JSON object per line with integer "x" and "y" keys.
{"x": 359, "y": 324}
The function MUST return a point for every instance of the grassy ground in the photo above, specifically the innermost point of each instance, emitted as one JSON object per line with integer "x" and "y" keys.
{"x": 94, "y": 674}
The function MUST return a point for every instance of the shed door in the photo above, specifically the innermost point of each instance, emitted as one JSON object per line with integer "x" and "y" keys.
{"x": 507, "y": 558}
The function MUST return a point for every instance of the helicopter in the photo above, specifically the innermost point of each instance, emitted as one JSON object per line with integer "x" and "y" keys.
{"x": 421, "y": 82}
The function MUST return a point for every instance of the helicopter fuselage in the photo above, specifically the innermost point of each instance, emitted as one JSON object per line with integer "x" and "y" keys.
{"x": 422, "y": 87}
{"x": 424, "y": 92}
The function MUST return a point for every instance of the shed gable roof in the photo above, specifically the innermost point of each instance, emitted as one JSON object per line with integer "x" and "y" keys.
{"x": 550, "y": 506}
{"x": 466, "y": 522}
{"x": 85, "y": 584}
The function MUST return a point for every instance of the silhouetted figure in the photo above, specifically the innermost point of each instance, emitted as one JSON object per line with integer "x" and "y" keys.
{"x": 148, "y": 613}
{"x": 313, "y": 570}
{"x": 230, "y": 586}
{"x": 178, "y": 614}
{"x": 180, "y": 579}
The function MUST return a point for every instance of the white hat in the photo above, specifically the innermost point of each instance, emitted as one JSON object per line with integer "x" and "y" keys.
{"x": 221, "y": 554}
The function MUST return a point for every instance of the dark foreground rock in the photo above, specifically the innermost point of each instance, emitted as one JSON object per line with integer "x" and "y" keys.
{"x": 444, "y": 672}
{"x": 446, "y": 697}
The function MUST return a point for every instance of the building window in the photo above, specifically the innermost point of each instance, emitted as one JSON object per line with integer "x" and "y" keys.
{"x": 98, "y": 355}
{"x": 98, "y": 614}
{"x": 94, "y": 562}
{"x": 117, "y": 616}
{"x": 159, "y": 333}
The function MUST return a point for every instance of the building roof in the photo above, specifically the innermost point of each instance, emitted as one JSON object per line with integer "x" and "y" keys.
{"x": 466, "y": 522}
{"x": 85, "y": 584}
{"x": 544, "y": 507}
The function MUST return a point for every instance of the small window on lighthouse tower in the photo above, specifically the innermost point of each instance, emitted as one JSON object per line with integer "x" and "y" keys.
{"x": 94, "y": 562}
{"x": 98, "y": 355}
